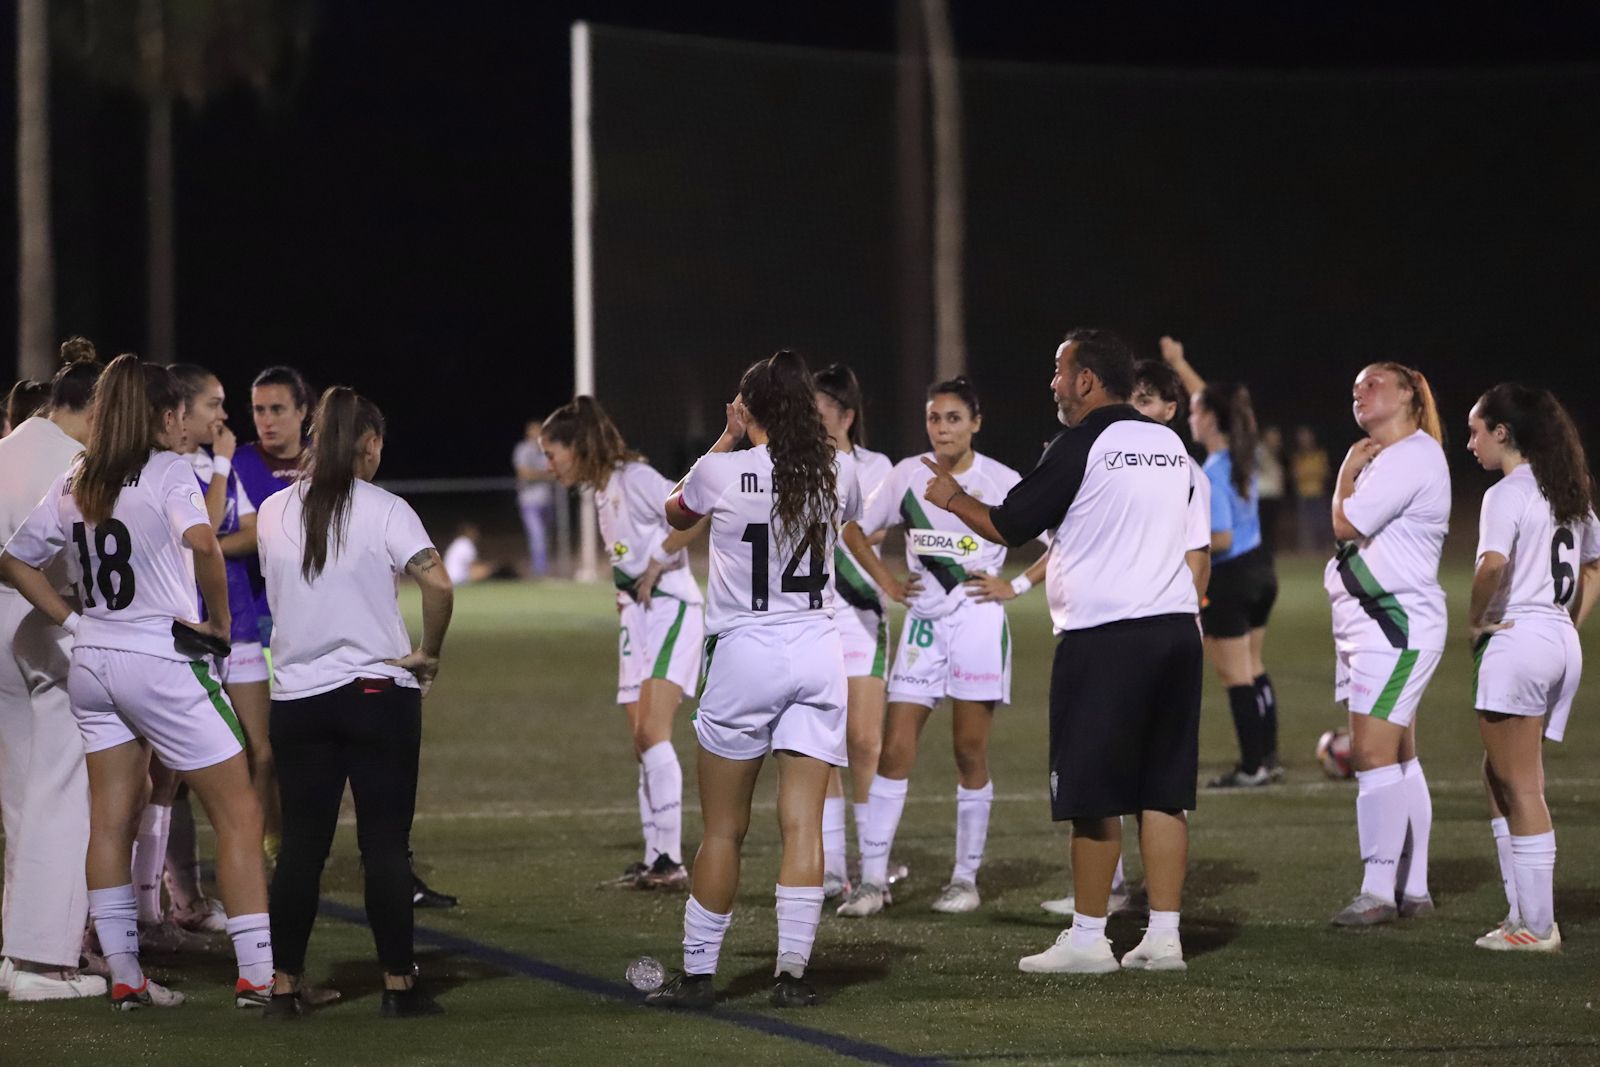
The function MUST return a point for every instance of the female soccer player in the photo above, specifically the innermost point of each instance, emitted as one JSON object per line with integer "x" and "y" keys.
{"x": 956, "y": 642}
{"x": 1391, "y": 510}
{"x": 1244, "y": 585}
{"x": 863, "y": 624}
{"x": 774, "y": 680}
{"x": 1538, "y": 548}
{"x": 131, "y": 519}
{"x": 661, "y": 616}
{"x": 347, "y": 702}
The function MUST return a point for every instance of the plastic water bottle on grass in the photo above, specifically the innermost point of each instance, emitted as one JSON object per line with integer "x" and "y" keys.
{"x": 646, "y": 974}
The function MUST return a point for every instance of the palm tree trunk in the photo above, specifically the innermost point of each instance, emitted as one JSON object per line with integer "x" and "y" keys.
{"x": 159, "y": 254}
{"x": 36, "y": 271}
{"x": 949, "y": 225}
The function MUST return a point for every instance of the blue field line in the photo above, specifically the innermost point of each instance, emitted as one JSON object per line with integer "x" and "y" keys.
{"x": 531, "y": 967}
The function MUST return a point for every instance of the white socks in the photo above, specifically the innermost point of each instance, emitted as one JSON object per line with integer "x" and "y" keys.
{"x": 885, "y": 802}
{"x": 972, "y": 830}
{"x": 1381, "y": 816}
{"x": 799, "y": 911}
{"x": 1419, "y": 810}
{"x": 149, "y": 857}
{"x": 1162, "y": 922}
{"x": 663, "y": 784}
{"x": 1087, "y": 932}
{"x": 115, "y": 913}
{"x": 1533, "y": 861}
{"x": 647, "y": 822}
{"x": 702, "y": 937}
{"x": 252, "y": 947}
{"x": 1502, "y": 847}
{"x": 833, "y": 856}
{"x": 859, "y": 810}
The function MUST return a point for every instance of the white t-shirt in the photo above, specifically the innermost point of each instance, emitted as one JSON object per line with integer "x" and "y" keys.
{"x": 1384, "y": 586}
{"x": 134, "y": 572}
{"x": 458, "y": 560}
{"x": 757, "y": 578}
{"x": 343, "y": 624}
{"x": 633, "y": 523}
{"x": 940, "y": 549}
{"x": 33, "y": 455}
{"x": 1543, "y": 558}
{"x": 851, "y": 581}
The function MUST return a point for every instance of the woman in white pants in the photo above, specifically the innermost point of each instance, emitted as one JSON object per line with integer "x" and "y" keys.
{"x": 44, "y": 791}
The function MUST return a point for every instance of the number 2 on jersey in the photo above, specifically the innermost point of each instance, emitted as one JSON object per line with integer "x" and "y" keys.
{"x": 114, "y": 548}
{"x": 757, "y": 536}
{"x": 1561, "y": 571}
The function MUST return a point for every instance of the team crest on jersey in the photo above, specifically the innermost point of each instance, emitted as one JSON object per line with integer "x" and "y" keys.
{"x": 618, "y": 550}
{"x": 911, "y": 658}
{"x": 942, "y": 544}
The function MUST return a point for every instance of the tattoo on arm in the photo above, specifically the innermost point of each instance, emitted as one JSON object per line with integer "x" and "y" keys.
{"x": 423, "y": 561}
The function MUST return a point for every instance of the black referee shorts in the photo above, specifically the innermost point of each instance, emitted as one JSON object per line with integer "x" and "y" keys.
{"x": 1125, "y": 718}
{"x": 1241, "y": 594}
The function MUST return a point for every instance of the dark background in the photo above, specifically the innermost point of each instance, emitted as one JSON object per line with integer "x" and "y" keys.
{"x": 1293, "y": 189}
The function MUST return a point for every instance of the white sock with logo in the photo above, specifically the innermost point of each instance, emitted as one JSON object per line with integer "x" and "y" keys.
{"x": 252, "y": 947}
{"x": 799, "y": 913}
{"x": 1533, "y": 860}
{"x": 1508, "y": 878}
{"x": 647, "y": 822}
{"x": 833, "y": 837}
{"x": 972, "y": 830}
{"x": 1382, "y": 811}
{"x": 663, "y": 782}
{"x": 149, "y": 857}
{"x": 115, "y": 913}
{"x": 1162, "y": 922}
{"x": 860, "y": 813}
{"x": 703, "y": 932}
{"x": 885, "y": 803}
{"x": 1419, "y": 810}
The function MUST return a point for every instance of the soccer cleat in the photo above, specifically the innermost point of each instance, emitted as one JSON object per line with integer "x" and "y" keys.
{"x": 1062, "y": 958}
{"x": 834, "y": 886}
{"x": 204, "y": 916}
{"x": 29, "y": 987}
{"x": 629, "y": 878}
{"x": 8, "y": 974}
{"x": 792, "y": 991}
{"x": 283, "y": 1006}
{"x": 1120, "y": 902}
{"x": 148, "y": 995}
{"x": 410, "y": 1003}
{"x": 1366, "y": 910}
{"x": 1495, "y": 939}
{"x": 685, "y": 992}
{"x": 1415, "y": 907}
{"x": 246, "y": 995}
{"x": 956, "y": 898}
{"x": 1239, "y": 778}
{"x": 1157, "y": 952}
{"x": 665, "y": 873}
{"x": 422, "y": 896}
{"x": 865, "y": 899}
{"x": 1516, "y": 939}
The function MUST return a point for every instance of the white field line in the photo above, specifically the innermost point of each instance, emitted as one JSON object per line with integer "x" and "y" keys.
{"x": 521, "y": 812}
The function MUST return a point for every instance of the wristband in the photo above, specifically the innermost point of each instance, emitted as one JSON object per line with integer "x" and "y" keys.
{"x": 221, "y": 467}
{"x": 1021, "y": 584}
{"x": 70, "y": 623}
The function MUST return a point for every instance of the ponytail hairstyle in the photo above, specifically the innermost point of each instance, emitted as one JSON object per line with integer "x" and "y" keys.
{"x": 72, "y": 388}
{"x": 129, "y": 408}
{"x": 838, "y": 383}
{"x": 781, "y": 397}
{"x": 1540, "y": 428}
{"x": 342, "y": 420}
{"x": 1236, "y": 419}
{"x": 962, "y": 389}
{"x": 77, "y": 349}
{"x": 597, "y": 446}
{"x": 1423, "y": 408}
{"x": 191, "y": 379}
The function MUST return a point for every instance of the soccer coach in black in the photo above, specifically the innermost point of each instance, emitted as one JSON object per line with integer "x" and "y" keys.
{"x": 1129, "y": 560}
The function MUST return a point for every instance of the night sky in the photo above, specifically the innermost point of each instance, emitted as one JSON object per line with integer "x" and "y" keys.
{"x": 399, "y": 219}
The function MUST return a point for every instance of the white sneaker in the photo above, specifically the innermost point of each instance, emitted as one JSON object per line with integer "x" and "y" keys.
{"x": 28, "y": 987}
{"x": 8, "y": 973}
{"x": 1119, "y": 901}
{"x": 1517, "y": 939}
{"x": 834, "y": 886}
{"x": 956, "y": 898}
{"x": 1157, "y": 952}
{"x": 864, "y": 900}
{"x": 1495, "y": 940}
{"x": 1062, "y": 958}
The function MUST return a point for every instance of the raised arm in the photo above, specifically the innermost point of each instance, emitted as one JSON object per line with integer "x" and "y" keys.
{"x": 1361, "y": 453}
{"x": 1172, "y": 353}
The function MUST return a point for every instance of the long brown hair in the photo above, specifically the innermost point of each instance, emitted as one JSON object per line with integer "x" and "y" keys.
{"x": 342, "y": 420}
{"x": 597, "y": 446}
{"x": 838, "y": 383}
{"x": 1541, "y": 429}
{"x": 1236, "y": 418}
{"x": 1423, "y": 408}
{"x": 781, "y": 396}
{"x": 130, "y": 403}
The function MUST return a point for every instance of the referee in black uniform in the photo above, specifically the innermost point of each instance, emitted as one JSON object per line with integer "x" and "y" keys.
{"x": 1129, "y": 559}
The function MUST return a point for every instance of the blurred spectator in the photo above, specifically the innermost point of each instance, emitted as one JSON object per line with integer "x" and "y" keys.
{"x": 23, "y": 402}
{"x": 534, "y": 495}
{"x": 1310, "y": 467}
{"x": 461, "y": 561}
{"x": 1269, "y": 479}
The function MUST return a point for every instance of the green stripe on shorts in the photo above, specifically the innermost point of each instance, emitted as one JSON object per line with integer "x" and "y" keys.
{"x": 705, "y": 671}
{"x": 1395, "y": 685}
{"x": 880, "y": 658}
{"x": 218, "y": 701}
{"x": 664, "y": 657}
{"x": 1477, "y": 662}
{"x": 1005, "y": 640}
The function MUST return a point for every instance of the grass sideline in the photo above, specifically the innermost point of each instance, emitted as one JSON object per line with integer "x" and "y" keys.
{"x": 527, "y": 802}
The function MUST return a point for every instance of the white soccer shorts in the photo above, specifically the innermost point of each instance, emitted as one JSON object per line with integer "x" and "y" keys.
{"x": 1385, "y": 683}
{"x": 864, "y": 635}
{"x": 664, "y": 640}
{"x": 775, "y": 688}
{"x": 966, "y": 655}
{"x": 1531, "y": 669}
{"x": 246, "y": 663}
{"x": 176, "y": 705}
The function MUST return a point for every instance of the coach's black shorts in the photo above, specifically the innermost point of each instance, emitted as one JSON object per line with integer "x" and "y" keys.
{"x": 1241, "y": 595}
{"x": 1125, "y": 718}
